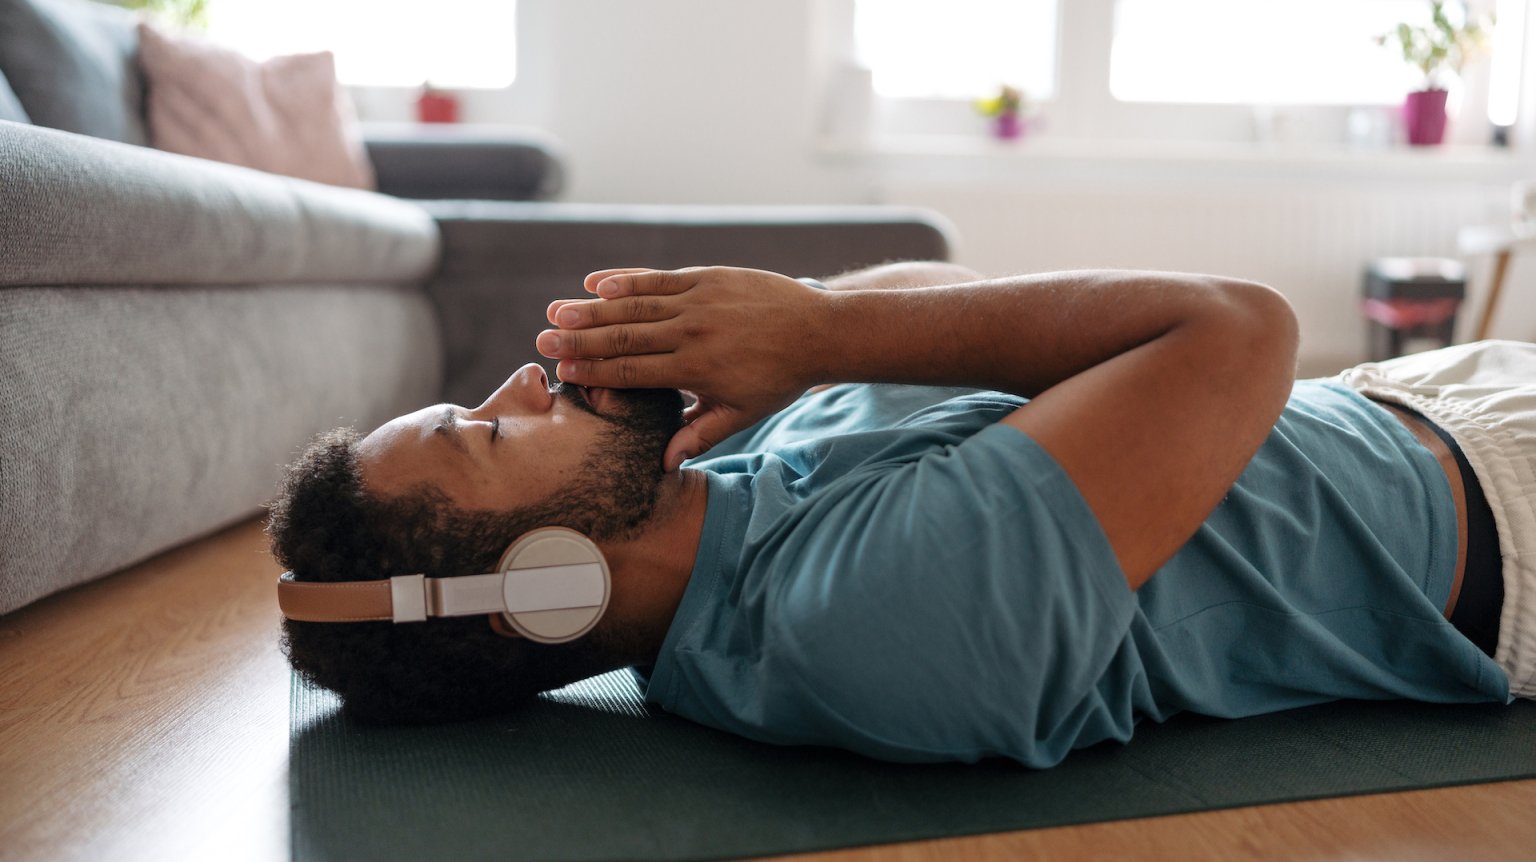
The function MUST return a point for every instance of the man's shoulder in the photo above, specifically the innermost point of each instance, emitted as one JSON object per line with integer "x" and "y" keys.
{"x": 851, "y": 427}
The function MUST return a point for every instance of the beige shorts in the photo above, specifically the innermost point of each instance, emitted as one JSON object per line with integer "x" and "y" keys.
{"x": 1484, "y": 395}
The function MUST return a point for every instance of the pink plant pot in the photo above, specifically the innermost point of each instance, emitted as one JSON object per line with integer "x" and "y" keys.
{"x": 1424, "y": 117}
{"x": 1008, "y": 126}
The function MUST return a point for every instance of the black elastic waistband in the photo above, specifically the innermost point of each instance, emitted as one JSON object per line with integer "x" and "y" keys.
{"x": 1481, "y": 602}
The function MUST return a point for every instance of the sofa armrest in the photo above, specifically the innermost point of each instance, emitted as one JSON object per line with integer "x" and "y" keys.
{"x": 504, "y": 263}
{"x": 442, "y": 162}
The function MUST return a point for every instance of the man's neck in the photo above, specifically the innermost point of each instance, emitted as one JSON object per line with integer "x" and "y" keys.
{"x": 650, "y": 572}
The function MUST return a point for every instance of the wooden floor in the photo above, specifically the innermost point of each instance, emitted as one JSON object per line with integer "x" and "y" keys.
{"x": 145, "y": 717}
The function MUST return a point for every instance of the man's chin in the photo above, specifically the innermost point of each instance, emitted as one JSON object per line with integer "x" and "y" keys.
{"x": 653, "y": 412}
{"x": 656, "y": 410}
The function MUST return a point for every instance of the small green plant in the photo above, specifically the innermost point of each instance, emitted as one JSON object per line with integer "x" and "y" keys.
{"x": 1009, "y": 100}
{"x": 1445, "y": 45}
{"x": 191, "y": 14}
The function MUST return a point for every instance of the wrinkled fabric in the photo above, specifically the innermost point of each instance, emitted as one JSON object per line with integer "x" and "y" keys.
{"x": 1484, "y": 395}
{"x": 888, "y": 570}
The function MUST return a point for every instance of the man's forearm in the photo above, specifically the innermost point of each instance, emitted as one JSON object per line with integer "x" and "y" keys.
{"x": 903, "y": 275}
{"x": 1151, "y": 391}
{"x": 1020, "y": 334}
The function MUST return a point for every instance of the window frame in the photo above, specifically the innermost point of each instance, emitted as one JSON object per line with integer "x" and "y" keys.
{"x": 1084, "y": 108}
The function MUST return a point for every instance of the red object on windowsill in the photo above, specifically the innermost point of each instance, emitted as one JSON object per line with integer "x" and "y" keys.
{"x": 436, "y": 106}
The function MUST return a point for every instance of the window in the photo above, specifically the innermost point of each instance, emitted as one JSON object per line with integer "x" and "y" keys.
{"x": 1260, "y": 52}
{"x": 958, "y": 49}
{"x": 450, "y": 43}
{"x": 1279, "y": 71}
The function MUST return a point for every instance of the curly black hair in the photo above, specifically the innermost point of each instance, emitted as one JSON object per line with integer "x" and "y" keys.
{"x": 325, "y": 526}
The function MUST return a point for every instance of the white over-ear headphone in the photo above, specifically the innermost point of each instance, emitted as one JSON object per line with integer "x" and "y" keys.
{"x": 551, "y": 586}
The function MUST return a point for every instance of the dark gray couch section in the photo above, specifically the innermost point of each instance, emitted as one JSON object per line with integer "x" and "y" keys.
{"x": 504, "y": 263}
{"x": 495, "y": 163}
{"x": 133, "y": 419}
{"x": 74, "y": 66}
{"x": 77, "y": 210}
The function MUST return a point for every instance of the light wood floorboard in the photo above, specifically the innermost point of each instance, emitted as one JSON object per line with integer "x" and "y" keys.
{"x": 144, "y": 716}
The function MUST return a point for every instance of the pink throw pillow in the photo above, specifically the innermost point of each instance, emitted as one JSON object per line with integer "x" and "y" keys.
{"x": 286, "y": 115}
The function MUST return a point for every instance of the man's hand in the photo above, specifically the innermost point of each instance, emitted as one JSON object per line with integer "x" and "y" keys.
{"x": 746, "y": 342}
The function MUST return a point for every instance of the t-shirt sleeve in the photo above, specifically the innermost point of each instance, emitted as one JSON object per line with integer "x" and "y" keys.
{"x": 954, "y": 606}
{"x": 842, "y": 409}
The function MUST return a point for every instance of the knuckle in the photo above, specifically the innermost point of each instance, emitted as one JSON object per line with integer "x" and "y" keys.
{"x": 623, "y": 340}
{"x": 626, "y": 372}
{"x": 643, "y": 308}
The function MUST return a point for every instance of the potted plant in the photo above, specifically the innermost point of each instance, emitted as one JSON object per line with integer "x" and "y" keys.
{"x": 1006, "y": 110}
{"x": 1439, "y": 50}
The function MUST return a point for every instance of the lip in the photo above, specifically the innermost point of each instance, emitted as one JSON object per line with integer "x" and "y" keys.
{"x": 595, "y": 396}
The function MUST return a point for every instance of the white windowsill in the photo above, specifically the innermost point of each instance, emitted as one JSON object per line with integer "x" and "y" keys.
{"x": 1447, "y": 162}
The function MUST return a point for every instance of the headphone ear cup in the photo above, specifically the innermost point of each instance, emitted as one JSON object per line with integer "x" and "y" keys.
{"x": 557, "y": 546}
{"x": 500, "y": 626}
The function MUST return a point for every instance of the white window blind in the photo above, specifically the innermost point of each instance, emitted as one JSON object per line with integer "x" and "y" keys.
{"x": 450, "y": 43}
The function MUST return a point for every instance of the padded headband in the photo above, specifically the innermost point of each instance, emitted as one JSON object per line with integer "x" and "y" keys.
{"x": 552, "y": 585}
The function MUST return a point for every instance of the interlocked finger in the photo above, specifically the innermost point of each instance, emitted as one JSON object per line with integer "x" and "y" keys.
{"x": 646, "y": 372}
{"x": 651, "y": 282}
{"x": 606, "y": 341}
{"x": 590, "y": 282}
{"x": 554, "y": 309}
{"x": 586, "y": 314}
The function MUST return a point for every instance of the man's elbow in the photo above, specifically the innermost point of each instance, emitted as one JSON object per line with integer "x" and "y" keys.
{"x": 1261, "y": 331}
{"x": 1259, "y": 311}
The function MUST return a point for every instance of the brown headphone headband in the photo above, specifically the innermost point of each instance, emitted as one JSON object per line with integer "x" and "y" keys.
{"x": 349, "y": 601}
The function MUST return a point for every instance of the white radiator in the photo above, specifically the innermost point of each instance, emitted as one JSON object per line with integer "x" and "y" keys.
{"x": 1311, "y": 240}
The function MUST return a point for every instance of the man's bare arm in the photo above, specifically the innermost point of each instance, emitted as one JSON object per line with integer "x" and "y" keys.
{"x": 903, "y": 275}
{"x": 1151, "y": 390}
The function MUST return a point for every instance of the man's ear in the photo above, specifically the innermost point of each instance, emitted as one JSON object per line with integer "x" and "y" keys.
{"x": 499, "y": 626}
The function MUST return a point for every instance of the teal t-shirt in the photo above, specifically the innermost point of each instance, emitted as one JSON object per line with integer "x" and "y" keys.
{"x": 888, "y": 570}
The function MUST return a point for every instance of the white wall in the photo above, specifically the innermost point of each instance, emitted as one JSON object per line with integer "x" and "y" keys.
{"x": 686, "y": 101}
{"x": 702, "y": 101}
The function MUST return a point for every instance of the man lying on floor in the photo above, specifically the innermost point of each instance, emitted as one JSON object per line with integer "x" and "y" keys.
{"x": 1131, "y": 511}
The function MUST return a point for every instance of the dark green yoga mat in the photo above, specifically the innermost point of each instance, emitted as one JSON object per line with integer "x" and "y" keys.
{"x": 591, "y": 773}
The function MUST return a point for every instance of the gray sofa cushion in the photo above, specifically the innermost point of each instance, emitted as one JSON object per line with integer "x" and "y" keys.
{"x": 10, "y": 108}
{"x": 134, "y": 419}
{"x": 77, "y": 210}
{"x": 72, "y": 63}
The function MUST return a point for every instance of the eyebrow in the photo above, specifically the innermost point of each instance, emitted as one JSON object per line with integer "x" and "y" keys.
{"x": 448, "y": 427}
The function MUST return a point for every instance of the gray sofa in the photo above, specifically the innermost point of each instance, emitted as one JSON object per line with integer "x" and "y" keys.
{"x": 173, "y": 330}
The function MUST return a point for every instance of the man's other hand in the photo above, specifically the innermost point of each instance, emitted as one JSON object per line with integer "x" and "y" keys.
{"x": 746, "y": 342}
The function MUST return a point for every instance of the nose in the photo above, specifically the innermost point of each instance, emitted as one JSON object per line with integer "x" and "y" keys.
{"x": 526, "y": 391}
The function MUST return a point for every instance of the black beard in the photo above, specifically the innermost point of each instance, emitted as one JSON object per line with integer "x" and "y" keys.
{"x": 616, "y": 493}
{"x": 646, "y": 410}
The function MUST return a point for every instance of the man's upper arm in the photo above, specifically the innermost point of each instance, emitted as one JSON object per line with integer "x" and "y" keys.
{"x": 961, "y": 603}
{"x": 1154, "y": 437}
